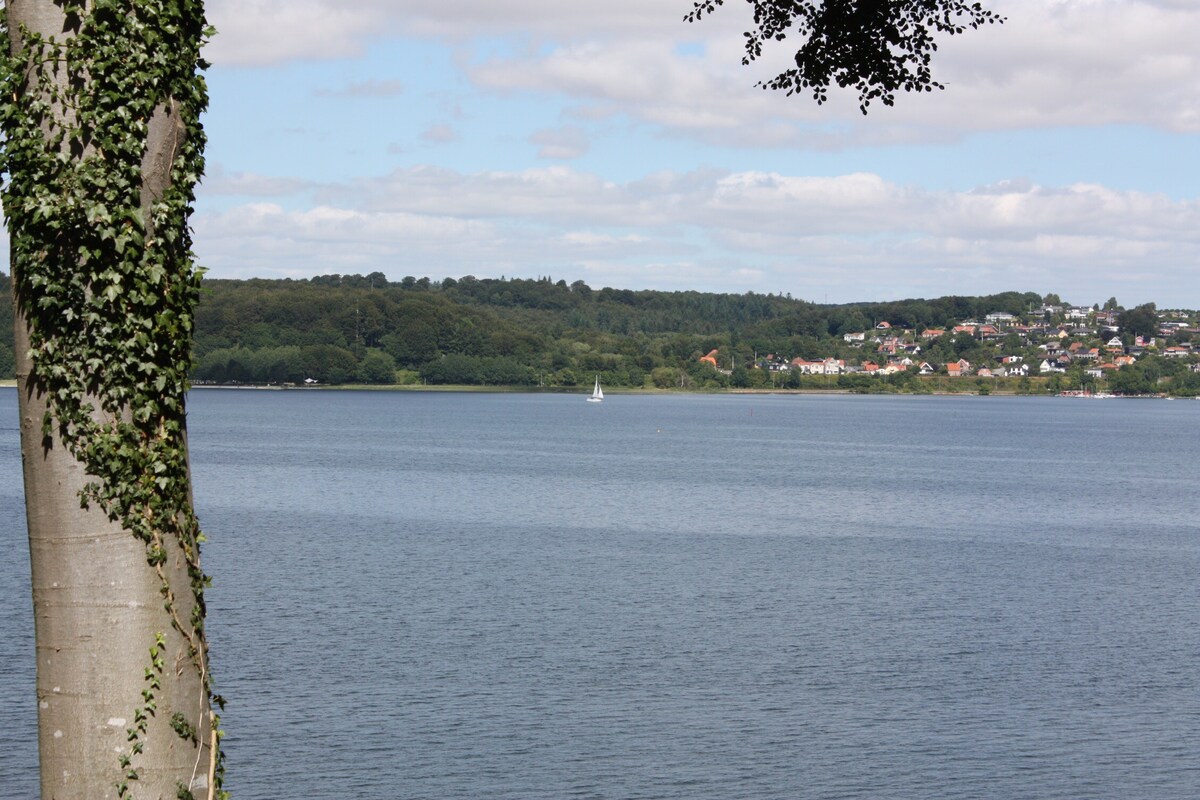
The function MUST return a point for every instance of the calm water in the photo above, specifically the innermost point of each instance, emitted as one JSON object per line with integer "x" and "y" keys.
{"x": 529, "y": 596}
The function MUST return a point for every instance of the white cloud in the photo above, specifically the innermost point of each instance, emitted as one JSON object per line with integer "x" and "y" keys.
{"x": 372, "y": 88}
{"x": 560, "y": 143}
{"x": 439, "y": 134}
{"x": 845, "y": 238}
{"x": 266, "y": 240}
{"x": 220, "y": 183}
{"x": 1052, "y": 64}
{"x": 1082, "y": 62}
{"x": 552, "y": 193}
{"x": 1062, "y": 63}
{"x": 261, "y": 32}
{"x": 634, "y": 66}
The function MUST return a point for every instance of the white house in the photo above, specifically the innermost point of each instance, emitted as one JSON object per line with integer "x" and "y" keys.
{"x": 1049, "y": 366}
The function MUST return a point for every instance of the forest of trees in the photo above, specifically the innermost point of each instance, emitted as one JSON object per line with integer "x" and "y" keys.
{"x": 338, "y": 329}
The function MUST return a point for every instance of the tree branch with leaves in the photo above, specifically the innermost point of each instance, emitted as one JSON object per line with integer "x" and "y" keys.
{"x": 876, "y": 47}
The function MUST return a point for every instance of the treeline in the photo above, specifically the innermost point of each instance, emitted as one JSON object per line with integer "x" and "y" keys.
{"x": 336, "y": 329}
{"x": 365, "y": 328}
{"x": 525, "y": 332}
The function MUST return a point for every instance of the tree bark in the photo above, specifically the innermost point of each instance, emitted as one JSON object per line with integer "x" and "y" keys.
{"x": 99, "y": 604}
{"x": 97, "y": 608}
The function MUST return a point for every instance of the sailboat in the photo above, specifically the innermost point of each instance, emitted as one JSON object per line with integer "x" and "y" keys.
{"x": 597, "y": 393}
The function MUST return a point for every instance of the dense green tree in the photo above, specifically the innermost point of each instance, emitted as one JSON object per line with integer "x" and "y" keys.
{"x": 328, "y": 363}
{"x": 664, "y": 377}
{"x": 377, "y": 367}
{"x": 412, "y": 344}
{"x": 453, "y": 369}
{"x": 8, "y": 362}
{"x": 856, "y": 382}
{"x": 1139, "y": 321}
{"x": 1186, "y": 383}
{"x": 279, "y": 365}
{"x": 1132, "y": 379}
{"x": 478, "y": 371}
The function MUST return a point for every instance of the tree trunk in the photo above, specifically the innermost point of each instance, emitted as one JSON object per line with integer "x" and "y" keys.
{"x": 122, "y": 684}
{"x": 98, "y": 607}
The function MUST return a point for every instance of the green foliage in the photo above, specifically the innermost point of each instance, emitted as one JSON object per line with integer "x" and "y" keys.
{"x": 856, "y": 382}
{"x": 8, "y": 361}
{"x": 560, "y": 332}
{"x": 328, "y": 363}
{"x": 377, "y": 367}
{"x": 878, "y": 48}
{"x": 102, "y": 263}
{"x": 478, "y": 371}
{"x": 1185, "y": 383}
{"x": 182, "y": 727}
{"x": 1153, "y": 375}
{"x": 1139, "y": 321}
{"x": 664, "y": 377}
{"x": 337, "y": 328}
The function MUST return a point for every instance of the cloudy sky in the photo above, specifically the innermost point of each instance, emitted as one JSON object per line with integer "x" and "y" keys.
{"x": 614, "y": 143}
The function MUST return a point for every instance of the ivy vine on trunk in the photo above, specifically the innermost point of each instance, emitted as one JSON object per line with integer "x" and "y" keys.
{"x": 102, "y": 148}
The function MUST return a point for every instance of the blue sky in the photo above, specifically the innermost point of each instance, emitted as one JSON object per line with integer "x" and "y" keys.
{"x": 616, "y": 144}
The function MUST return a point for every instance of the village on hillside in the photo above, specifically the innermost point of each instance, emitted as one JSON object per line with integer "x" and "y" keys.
{"x": 1086, "y": 347}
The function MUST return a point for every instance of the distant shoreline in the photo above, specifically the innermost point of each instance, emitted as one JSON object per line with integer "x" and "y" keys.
{"x": 582, "y": 392}
{"x": 471, "y": 388}
{"x": 627, "y": 391}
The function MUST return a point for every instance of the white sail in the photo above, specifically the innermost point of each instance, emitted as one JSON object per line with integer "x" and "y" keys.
{"x": 597, "y": 392}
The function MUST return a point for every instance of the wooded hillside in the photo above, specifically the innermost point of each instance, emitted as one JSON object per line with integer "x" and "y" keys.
{"x": 523, "y": 332}
{"x": 336, "y": 329}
